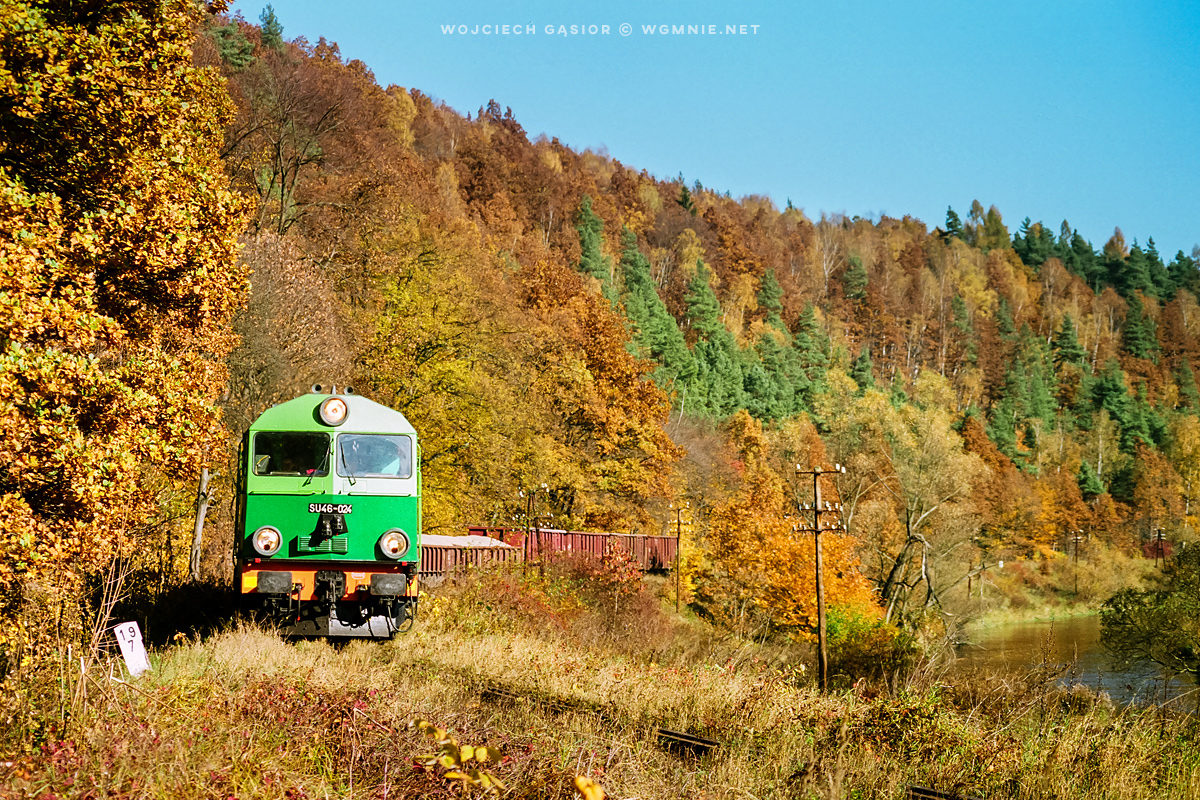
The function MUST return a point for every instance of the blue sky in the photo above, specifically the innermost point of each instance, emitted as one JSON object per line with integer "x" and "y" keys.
{"x": 1088, "y": 112}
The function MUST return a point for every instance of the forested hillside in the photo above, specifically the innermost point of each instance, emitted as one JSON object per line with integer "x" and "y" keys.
{"x": 546, "y": 316}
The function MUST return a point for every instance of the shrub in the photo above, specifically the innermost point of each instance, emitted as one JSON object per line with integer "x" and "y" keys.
{"x": 592, "y": 601}
{"x": 862, "y": 645}
{"x": 606, "y": 582}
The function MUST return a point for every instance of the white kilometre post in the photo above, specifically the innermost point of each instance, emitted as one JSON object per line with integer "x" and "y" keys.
{"x": 129, "y": 637}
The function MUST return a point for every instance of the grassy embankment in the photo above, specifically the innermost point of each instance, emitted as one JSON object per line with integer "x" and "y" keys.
{"x": 242, "y": 714}
{"x": 1053, "y": 586}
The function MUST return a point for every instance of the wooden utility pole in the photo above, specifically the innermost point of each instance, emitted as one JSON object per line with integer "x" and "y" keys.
{"x": 1077, "y": 539}
{"x": 679, "y": 523}
{"x": 824, "y": 654}
{"x": 533, "y": 528}
{"x": 818, "y": 508}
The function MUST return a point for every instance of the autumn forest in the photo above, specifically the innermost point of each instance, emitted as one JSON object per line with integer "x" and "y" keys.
{"x": 258, "y": 215}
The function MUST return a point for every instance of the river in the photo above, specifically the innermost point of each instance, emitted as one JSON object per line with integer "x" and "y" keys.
{"x": 1075, "y": 641}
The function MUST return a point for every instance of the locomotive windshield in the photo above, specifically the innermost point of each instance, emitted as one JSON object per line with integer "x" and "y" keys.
{"x": 278, "y": 453}
{"x": 374, "y": 456}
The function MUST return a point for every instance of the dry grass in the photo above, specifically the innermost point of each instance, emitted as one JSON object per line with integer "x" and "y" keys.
{"x": 243, "y": 714}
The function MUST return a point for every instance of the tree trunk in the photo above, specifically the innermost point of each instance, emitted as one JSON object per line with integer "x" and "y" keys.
{"x": 202, "y": 499}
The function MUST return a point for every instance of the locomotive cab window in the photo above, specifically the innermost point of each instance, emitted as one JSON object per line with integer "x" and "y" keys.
{"x": 374, "y": 456}
{"x": 279, "y": 453}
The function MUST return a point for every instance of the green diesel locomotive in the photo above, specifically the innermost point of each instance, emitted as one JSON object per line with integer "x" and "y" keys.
{"x": 329, "y": 517}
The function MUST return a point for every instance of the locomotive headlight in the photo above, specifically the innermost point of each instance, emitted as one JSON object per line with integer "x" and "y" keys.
{"x": 267, "y": 540}
{"x": 334, "y": 411}
{"x": 394, "y": 543}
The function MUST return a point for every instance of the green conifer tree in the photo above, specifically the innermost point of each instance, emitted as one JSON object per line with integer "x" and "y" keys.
{"x": 811, "y": 343}
{"x": 1004, "y": 322}
{"x": 272, "y": 31}
{"x": 1130, "y": 275}
{"x": 233, "y": 46}
{"x": 1066, "y": 346}
{"x": 1041, "y": 404}
{"x": 1090, "y": 485}
{"x": 1153, "y": 420}
{"x": 718, "y": 385}
{"x": 1189, "y": 397}
{"x": 954, "y": 227}
{"x": 703, "y": 309}
{"x": 1008, "y": 410}
{"x": 1138, "y": 334}
{"x": 770, "y": 298}
{"x": 1110, "y": 392}
{"x": 592, "y": 260}
{"x": 898, "y": 396}
{"x": 654, "y": 331}
{"x": 685, "y": 200}
{"x": 1160, "y": 276}
{"x": 964, "y": 330}
{"x": 771, "y": 380}
{"x": 1083, "y": 262}
{"x": 1033, "y": 243}
{"x": 811, "y": 347}
{"x": 854, "y": 279}
{"x": 1184, "y": 273}
{"x": 862, "y": 371}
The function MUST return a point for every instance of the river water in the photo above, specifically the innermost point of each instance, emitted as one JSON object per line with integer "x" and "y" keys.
{"x": 1017, "y": 647}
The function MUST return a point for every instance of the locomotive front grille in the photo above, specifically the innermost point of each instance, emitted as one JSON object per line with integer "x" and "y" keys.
{"x": 338, "y": 545}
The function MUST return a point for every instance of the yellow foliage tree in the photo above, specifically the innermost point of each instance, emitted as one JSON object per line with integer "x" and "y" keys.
{"x": 762, "y": 564}
{"x": 1184, "y": 454}
{"x": 117, "y": 280}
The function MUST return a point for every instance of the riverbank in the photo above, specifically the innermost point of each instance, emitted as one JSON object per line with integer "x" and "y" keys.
{"x": 1050, "y": 587}
{"x": 1000, "y": 617}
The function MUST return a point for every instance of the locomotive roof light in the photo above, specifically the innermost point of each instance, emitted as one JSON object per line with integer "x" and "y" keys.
{"x": 267, "y": 540}
{"x": 334, "y": 411}
{"x": 394, "y": 543}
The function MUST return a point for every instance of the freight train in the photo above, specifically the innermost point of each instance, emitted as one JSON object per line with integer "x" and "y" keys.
{"x": 329, "y": 522}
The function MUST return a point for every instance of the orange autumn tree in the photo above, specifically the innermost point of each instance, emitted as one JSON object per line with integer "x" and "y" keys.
{"x": 761, "y": 567}
{"x": 117, "y": 283}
